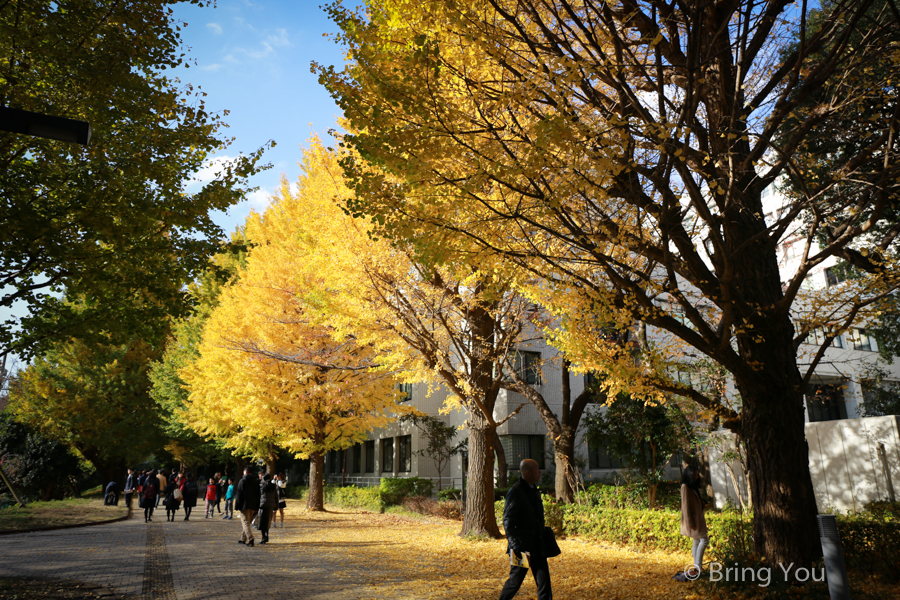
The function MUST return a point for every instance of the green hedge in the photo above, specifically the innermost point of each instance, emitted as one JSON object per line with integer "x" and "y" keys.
{"x": 871, "y": 542}
{"x": 395, "y": 489}
{"x": 350, "y": 496}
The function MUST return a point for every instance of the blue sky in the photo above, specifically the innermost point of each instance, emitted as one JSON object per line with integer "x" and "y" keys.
{"x": 252, "y": 59}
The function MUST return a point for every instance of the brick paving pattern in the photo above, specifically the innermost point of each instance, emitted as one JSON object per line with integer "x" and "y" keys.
{"x": 157, "y": 571}
{"x": 195, "y": 560}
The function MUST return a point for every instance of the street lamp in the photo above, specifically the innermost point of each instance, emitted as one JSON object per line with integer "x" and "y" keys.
{"x": 15, "y": 120}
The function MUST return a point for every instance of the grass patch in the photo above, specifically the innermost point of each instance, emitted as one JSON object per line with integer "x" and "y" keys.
{"x": 57, "y": 513}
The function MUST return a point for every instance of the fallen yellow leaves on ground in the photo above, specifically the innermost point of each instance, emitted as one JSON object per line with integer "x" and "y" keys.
{"x": 400, "y": 557}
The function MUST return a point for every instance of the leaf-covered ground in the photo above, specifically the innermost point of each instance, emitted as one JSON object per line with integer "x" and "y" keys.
{"x": 57, "y": 513}
{"x": 425, "y": 558}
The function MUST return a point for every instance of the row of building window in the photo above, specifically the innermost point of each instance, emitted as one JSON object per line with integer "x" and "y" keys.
{"x": 858, "y": 339}
{"x": 361, "y": 457}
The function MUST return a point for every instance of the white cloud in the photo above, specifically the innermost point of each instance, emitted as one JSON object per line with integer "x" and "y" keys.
{"x": 213, "y": 67}
{"x": 265, "y": 47}
{"x": 207, "y": 173}
{"x": 260, "y": 198}
{"x": 279, "y": 39}
{"x": 214, "y": 27}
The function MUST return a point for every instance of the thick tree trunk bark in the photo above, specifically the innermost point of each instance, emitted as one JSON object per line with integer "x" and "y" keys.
{"x": 270, "y": 460}
{"x": 564, "y": 458}
{"x": 316, "y": 499}
{"x": 784, "y": 517}
{"x": 479, "y": 518}
{"x": 706, "y": 473}
{"x": 772, "y": 421}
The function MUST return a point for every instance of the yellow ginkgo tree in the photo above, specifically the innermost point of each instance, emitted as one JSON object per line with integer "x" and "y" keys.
{"x": 270, "y": 375}
{"x": 453, "y": 325}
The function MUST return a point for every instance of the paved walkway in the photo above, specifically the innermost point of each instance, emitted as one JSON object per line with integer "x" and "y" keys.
{"x": 194, "y": 560}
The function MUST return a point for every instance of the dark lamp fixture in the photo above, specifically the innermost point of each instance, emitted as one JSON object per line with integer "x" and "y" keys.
{"x": 45, "y": 126}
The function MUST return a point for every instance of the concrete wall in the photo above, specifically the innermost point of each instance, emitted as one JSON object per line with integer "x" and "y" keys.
{"x": 844, "y": 461}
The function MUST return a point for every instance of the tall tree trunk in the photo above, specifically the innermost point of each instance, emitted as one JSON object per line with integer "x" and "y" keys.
{"x": 706, "y": 474}
{"x": 502, "y": 465}
{"x": 772, "y": 421}
{"x": 564, "y": 458}
{"x": 316, "y": 500}
{"x": 270, "y": 460}
{"x": 480, "y": 518}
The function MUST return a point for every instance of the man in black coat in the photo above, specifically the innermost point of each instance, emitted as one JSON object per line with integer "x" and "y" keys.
{"x": 246, "y": 502}
{"x": 131, "y": 483}
{"x": 523, "y": 520}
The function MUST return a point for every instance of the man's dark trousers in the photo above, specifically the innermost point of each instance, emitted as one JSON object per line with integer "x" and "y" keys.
{"x": 541, "y": 572}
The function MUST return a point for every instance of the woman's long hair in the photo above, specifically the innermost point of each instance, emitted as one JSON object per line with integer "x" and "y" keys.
{"x": 687, "y": 478}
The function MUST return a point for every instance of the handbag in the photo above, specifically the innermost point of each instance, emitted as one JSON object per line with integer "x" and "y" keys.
{"x": 178, "y": 495}
{"x": 548, "y": 543}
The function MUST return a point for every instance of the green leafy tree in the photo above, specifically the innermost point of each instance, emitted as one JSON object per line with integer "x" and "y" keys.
{"x": 168, "y": 389}
{"x": 99, "y": 241}
{"x": 642, "y": 435}
{"x": 93, "y": 398}
{"x": 439, "y": 444}
{"x": 38, "y": 466}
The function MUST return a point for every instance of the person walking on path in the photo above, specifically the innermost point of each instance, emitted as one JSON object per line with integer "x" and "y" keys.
{"x": 150, "y": 495}
{"x": 190, "y": 493}
{"x": 162, "y": 481}
{"x": 268, "y": 504}
{"x": 211, "y": 492}
{"x": 281, "y": 484}
{"x": 229, "y": 501}
{"x": 523, "y": 520}
{"x": 131, "y": 483}
{"x": 246, "y": 501}
{"x": 173, "y": 500}
{"x": 693, "y": 522}
{"x": 220, "y": 491}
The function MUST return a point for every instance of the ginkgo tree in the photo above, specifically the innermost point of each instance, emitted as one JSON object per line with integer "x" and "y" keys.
{"x": 620, "y": 151}
{"x": 453, "y": 326}
{"x": 269, "y": 375}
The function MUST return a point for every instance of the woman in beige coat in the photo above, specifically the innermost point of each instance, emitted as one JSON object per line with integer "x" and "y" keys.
{"x": 693, "y": 523}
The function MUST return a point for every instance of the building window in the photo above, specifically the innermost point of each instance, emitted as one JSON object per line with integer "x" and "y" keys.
{"x": 599, "y": 459}
{"x": 835, "y": 275}
{"x": 825, "y": 402}
{"x": 387, "y": 455}
{"x": 370, "y": 456}
{"x": 334, "y": 461}
{"x": 519, "y": 447}
{"x": 405, "y": 392}
{"x": 817, "y": 336}
{"x": 861, "y": 340}
{"x": 357, "y": 458}
{"x": 528, "y": 366}
{"x": 404, "y": 448}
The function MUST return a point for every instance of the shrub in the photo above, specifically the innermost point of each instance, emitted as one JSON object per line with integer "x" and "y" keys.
{"x": 446, "y": 509}
{"x": 350, "y": 496}
{"x": 869, "y": 542}
{"x": 450, "y": 494}
{"x": 395, "y": 489}
{"x": 633, "y": 495}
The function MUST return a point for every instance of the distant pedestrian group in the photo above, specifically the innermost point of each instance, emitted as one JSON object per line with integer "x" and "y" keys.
{"x": 258, "y": 499}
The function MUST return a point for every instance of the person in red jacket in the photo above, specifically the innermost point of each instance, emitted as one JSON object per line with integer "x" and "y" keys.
{"x": 211, "y": 492}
